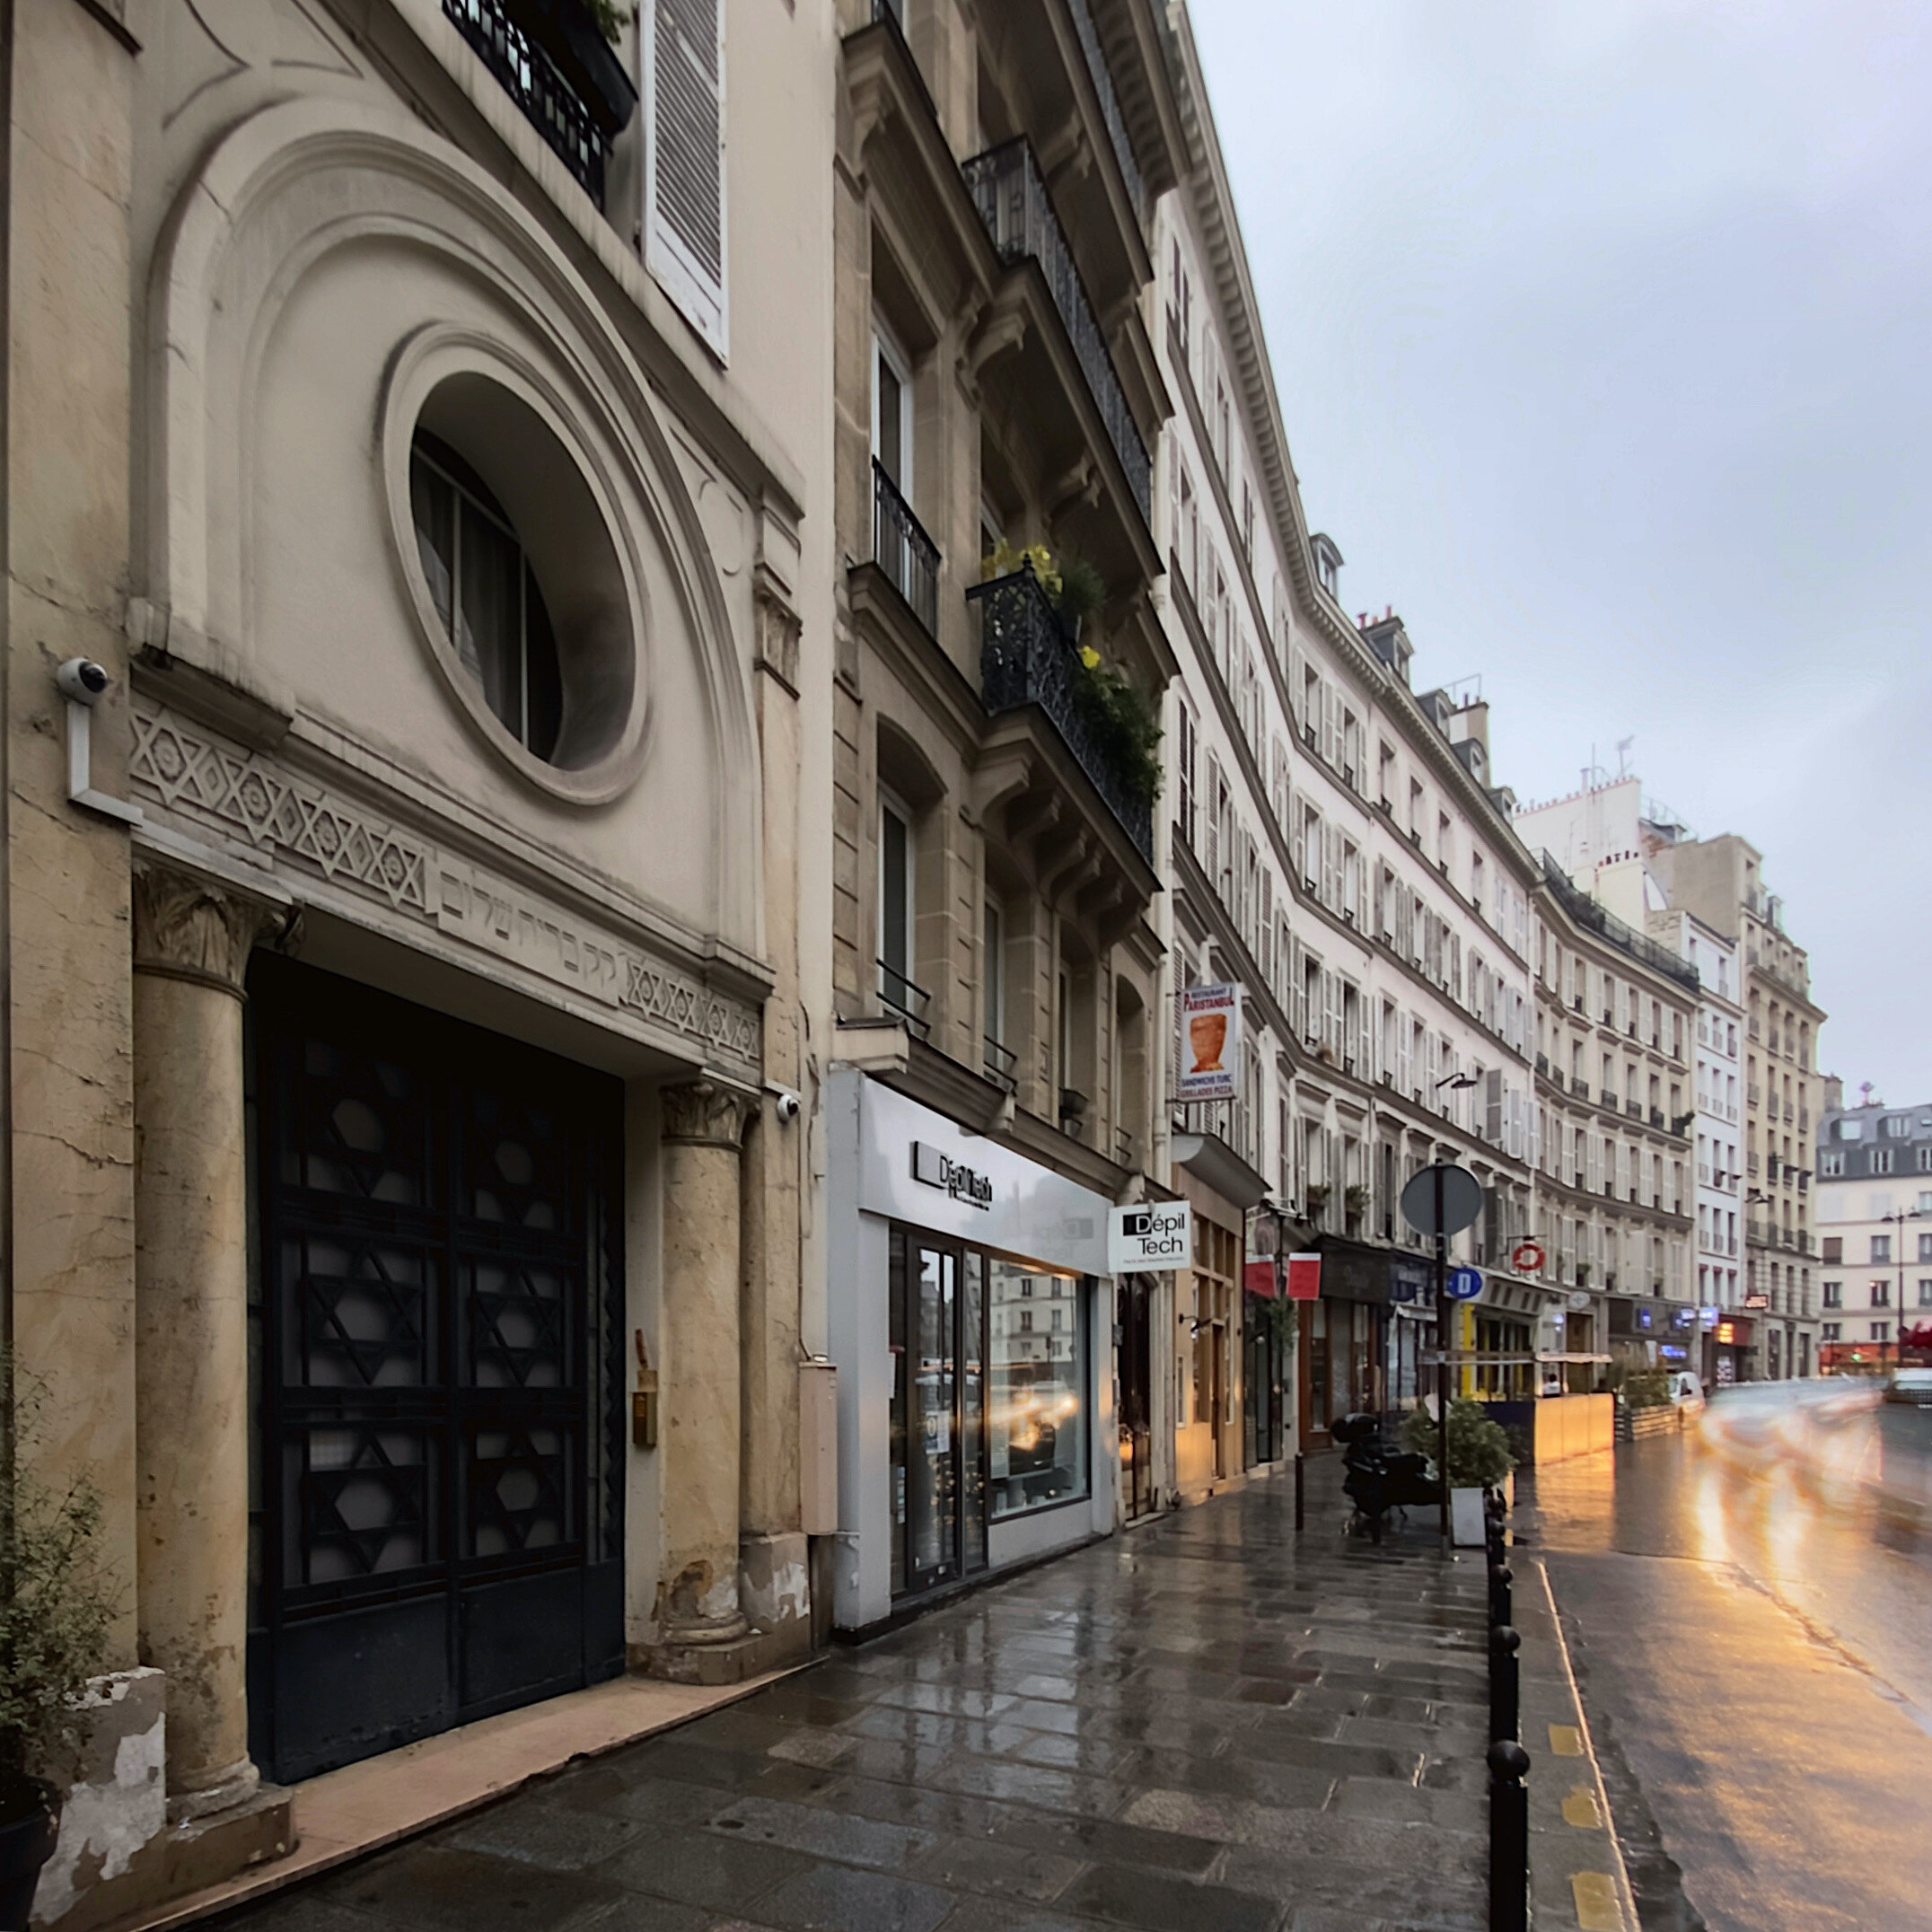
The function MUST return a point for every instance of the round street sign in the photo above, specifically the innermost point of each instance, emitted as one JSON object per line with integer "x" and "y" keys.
{"x": 1442, "y": 1199}
{"x": 1463, "y": 1285}
{"x": 1577, "y": 1300}
{"x": 1526, "y": 1257}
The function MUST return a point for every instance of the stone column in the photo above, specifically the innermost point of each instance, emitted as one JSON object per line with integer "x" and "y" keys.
{"x": 702, "y": 1123}
{"x": 191, "y": 945}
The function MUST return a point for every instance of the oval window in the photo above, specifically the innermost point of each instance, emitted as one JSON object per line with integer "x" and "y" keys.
{"x": 486, "y": 592}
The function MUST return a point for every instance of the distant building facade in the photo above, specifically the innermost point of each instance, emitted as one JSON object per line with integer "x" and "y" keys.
{"x": 1872, "y": 1207}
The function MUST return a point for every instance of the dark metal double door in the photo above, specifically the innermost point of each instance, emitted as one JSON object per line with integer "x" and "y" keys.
{"x": 437, "y": 1529}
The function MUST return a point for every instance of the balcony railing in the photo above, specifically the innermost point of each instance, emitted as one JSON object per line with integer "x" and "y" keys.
{"x": 1580, "y": 1088}
{"x": 551, "y": 103}
{"x": 908, "y": 1001}
{"x": 1013, "y": 202}
{"x": 1109, "y": 106}
{"x": 902, "y": 551}
{"x": 1002, "y": 1064}
{"x": 1588, "y": 914}
{"x": 1025, "y": 658}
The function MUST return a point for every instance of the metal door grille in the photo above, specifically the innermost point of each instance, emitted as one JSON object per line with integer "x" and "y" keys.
{"x": 438, "y": 1304}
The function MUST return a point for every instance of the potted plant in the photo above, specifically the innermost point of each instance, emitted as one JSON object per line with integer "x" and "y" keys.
{"x": 1355, "y": 1202}
{"x": 1478, "y": 1458}
{"x": 578, "y": 35}
{"x": 54, "y": 1609}
{"x": 1318, "y": 1200}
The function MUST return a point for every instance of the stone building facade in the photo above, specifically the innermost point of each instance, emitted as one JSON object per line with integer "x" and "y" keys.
{"x": 995, "y": 967}
{"x": 417, "y": 423}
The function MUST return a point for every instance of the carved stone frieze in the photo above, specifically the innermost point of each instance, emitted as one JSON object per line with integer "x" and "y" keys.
{"x": 704, "y": 1113}
{"x": 189, "y": 929}
{"x": 248, "y": 797}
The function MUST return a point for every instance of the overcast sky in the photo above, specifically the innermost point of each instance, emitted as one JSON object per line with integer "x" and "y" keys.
{"x": 1602, "y": 333}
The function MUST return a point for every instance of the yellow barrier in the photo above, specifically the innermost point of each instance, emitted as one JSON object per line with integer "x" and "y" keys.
{"x": 1573, "y": 1424}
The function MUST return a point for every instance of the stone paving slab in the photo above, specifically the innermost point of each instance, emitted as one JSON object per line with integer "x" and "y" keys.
{"x": 1207, "y": 1723}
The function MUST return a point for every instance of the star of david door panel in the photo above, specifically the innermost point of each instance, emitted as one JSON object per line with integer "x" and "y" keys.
{"x": 438, "y": 1310}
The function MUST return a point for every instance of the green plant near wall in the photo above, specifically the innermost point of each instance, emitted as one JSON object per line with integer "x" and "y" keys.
{"x": 1479, "y": 1449}
{"x": 57, "y": 1604}
{"x": 610, "y": 18}
{"x": 1647, "y": 1388}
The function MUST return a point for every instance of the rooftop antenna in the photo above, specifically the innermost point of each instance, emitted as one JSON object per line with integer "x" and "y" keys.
{"x": 1623, "y": 757}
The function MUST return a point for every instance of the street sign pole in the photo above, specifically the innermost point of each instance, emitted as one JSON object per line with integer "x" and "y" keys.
{"x": 1444, "y": 1319}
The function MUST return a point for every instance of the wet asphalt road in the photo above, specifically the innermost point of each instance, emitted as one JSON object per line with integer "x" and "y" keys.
{"x": 1749, "y": 1612}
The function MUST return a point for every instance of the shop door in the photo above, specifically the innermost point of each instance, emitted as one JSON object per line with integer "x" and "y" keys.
{"x": 1136, "y": 1351}
{"x": 437, "y": 1304}
{"x": 937, "y": 1327}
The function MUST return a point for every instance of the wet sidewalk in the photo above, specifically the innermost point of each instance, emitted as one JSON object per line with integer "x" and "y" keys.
{"x": 1209, "y": 1722}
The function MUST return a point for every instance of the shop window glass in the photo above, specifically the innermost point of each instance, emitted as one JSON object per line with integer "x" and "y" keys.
{"x": 1036, "y": 1433}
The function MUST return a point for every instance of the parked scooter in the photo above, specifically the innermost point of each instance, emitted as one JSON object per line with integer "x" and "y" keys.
{"x": 1379, "y": 1478}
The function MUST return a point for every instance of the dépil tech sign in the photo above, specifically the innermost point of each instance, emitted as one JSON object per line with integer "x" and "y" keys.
{"x": 1151, "y": 1236}
{"x": 938, "y": 1169}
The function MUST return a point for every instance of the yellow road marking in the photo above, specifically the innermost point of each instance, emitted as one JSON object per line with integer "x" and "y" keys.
{"x": 1566, "y": 1741}
{"x": 1595, "y": 1894}
{"x": 1580, "y": 1809}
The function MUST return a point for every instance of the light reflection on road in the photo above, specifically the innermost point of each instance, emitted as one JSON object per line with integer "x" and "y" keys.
{"x": 1815, "y": 1492}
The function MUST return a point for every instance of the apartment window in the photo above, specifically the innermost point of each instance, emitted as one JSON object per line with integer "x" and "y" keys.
{"x": 1247, "y": 523}
{"x": 1880, "y": 1294}
{"x": 993, "y": 971}
{"x": 895, "y": 902}
{"x": 1881, "y": 1249}
{"x": 1185, "y": 738}
{"x": 1880, "y": 1332}
{"x": 1925, "y": 1244}
{"x": 1925, "y": 1160}
{"x": 1925, "y": 1293}
{"x": 1831, "y": 1164}
{"x": 1064, "y": 1028}
{"x": 1831, "y": 1331}
{"x": 1897, "y": 1126}
{"x": 1835, "y": 1294}
{"x": 892, "y": 411}
{"x": 1833, "y": 1249}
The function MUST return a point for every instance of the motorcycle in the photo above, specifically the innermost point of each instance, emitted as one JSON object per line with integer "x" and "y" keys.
{"x": 1379, "y": 1478}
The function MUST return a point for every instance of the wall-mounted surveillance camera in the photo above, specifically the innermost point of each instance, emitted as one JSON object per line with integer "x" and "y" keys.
{"x": 785, "y": 1106}
{"x": 82, "y": 680}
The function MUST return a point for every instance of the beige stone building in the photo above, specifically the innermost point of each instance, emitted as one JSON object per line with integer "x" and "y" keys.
{"x": 1616, "y": 1022}
{"x": 994, "y": 966}
{"x": 419, "y": 417}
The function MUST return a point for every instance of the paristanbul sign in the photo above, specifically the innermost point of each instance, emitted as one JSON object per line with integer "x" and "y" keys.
{"x": 1210, "y": 1041}
{"x": 1150, "y": 1235}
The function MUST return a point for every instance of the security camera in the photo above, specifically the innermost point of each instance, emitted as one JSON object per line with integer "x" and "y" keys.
{"x": 82, "y": 680}
{"x": 787, "y": 1107}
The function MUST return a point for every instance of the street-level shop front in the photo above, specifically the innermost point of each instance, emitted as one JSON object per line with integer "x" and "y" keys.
{"x": 971, "y": 1325}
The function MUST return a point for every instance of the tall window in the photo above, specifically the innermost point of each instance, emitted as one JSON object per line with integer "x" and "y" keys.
{"x": 895, "y": 903}
{"x": 1064, "y": 1027}
{"x": 1881, "y": 1249}
{"x": 892, "y": 411}
{"x": 993, "y": 971}
{"x": 485, "y": 593}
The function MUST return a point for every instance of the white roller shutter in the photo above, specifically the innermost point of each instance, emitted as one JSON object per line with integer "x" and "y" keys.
{"x": 684, "y": 159}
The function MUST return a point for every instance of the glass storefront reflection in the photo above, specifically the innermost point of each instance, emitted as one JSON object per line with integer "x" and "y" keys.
{"x": 1037, "y": 1439}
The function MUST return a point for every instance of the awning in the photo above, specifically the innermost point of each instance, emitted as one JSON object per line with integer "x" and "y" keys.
{"x": 1216, "y": 1166}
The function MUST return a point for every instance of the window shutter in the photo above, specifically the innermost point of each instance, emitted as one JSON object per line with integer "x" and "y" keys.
{"x": 684, "y": 159}
{"x": 1214, "y": 822}
{"x": 1267, "y": 925}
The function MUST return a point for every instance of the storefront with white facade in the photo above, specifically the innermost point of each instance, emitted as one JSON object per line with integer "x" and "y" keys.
{"x": 971, "y": 1324}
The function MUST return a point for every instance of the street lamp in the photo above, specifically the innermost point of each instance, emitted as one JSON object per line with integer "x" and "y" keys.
{"x": 1754, "y": 1198}
{"x": 1896, "y": 1221}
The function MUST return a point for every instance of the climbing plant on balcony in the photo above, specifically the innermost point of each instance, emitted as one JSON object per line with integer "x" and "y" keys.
{"x": 1121, "y": 720}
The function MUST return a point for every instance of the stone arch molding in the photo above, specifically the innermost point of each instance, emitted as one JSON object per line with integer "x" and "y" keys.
{"x": 275, "y": 197}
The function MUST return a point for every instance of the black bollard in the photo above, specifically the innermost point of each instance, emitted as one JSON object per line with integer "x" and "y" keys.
{"x": 1509, "y": 1838}
{"x": 1504, "y": 1683}
{"x": 1500, "y": 1577}
{"x": 1300, "y": 1497}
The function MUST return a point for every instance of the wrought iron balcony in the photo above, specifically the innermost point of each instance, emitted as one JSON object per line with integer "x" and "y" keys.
{"x": 908, "y": 1001}
{"x": 1002, "y": 1064}
{"x": 1011, "y": 198}
{"x": 1026, "y": 658}
{"x": 902, "y": 551}
{"x": 1101, "y": 77}
{"x": 577, "y": 114}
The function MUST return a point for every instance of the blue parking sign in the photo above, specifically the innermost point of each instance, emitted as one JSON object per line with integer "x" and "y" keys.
{"x": 1463, "y": 1285}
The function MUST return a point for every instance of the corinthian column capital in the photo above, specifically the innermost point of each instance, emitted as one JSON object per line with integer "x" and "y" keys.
{"x": 190, "y": 928}
{"x": 705, "y": 1113}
